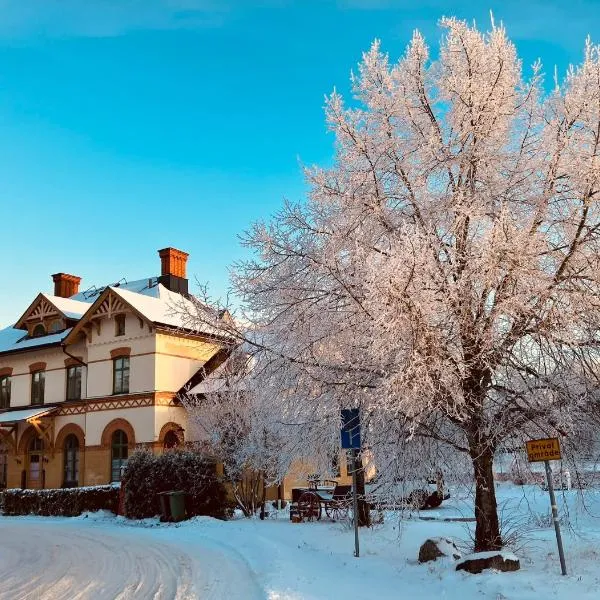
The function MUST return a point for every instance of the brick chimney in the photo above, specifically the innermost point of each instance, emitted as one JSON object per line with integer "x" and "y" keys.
{"x": 173, "y": 262}
{"x": 65, "y": 285}
{"x": 173, "y": 268}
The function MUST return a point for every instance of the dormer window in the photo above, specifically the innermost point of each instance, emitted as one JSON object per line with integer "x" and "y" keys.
{"x": 119, "y": 325}
{"x": 38, "y": 331}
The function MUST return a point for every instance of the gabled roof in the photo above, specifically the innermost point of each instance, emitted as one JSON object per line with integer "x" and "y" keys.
{"x": 162, "y": 308}
{"x": 148, "y": 299}
{"x": 46, "y": 305}
{"x": 72, "y": 309}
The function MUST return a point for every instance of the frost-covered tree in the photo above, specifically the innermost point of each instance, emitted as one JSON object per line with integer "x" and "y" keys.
{"x": 443, "y": 273}
{"x": 229, "y": 420}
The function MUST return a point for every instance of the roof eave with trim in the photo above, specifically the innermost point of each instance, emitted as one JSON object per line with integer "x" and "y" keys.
{"x": 85, "y": 319}
{"x": 32, "y": 348}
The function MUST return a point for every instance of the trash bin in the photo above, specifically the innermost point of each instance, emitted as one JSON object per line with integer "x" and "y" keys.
{"x": 177, "y": 506}
{"x": 172, "y": 506}
{"x": 165, "y": 509}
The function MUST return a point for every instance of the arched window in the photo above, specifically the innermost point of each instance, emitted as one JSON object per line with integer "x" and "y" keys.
{"x": 171, "y": 441}
{"x": 71, "y": 456}
{"x": 38, "y": 331}
{"x": 119, "y": 452}
{"x": 35, "y": 459}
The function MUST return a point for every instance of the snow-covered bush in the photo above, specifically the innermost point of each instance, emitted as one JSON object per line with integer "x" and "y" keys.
{"x": 69, "y": 502}
{"x": 147, "y": 475}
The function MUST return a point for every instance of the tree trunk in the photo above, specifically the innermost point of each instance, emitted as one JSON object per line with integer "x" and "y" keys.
{"x": 364, "y": 513}
{"x": 487, "y": 526}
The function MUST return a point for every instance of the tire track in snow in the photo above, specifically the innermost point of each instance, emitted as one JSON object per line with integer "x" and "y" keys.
{"x": 80, "y": 560}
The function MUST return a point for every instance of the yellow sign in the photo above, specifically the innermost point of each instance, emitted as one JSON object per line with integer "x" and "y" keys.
{"x": 540, "y": 450}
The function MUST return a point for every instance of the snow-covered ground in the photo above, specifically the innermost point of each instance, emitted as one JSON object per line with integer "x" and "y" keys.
{"x": 103, "y": 557}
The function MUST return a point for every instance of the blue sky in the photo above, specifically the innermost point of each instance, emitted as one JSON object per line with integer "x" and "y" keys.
{"x": 130, "y": 125}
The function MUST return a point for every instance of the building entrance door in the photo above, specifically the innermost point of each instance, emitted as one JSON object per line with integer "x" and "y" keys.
{"x": 35, "y": 463}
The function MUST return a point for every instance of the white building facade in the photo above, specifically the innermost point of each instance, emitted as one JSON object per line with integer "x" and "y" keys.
{"x": 86, "y": 377}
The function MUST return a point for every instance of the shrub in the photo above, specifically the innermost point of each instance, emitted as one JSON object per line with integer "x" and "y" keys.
{"x": 147, "y": 475}
{"x": 69, "y": 502}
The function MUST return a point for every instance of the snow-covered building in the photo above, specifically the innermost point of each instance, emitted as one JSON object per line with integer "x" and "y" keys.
{"x": 87, "y": 376}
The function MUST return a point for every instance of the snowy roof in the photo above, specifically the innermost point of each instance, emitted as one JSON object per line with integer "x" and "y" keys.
{"x": 14, "y": 416}
{"x": 13, "y": 340}
{"x": 72, "y": 309}
{"x": 230, "y": 376}
{"x": 147, "y": 287}
{"x": 150, "y": 299}
{"x": 166, "y": 308}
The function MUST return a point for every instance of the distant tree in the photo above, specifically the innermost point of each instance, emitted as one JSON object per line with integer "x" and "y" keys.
{"x": 444, "y": 272}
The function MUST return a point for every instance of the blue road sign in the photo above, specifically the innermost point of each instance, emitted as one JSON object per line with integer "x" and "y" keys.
{"x": 350, "y": 428}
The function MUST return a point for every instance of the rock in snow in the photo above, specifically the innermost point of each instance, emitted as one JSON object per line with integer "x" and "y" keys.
{"x": 498, "y": 560}
{"x": 438, "y": 547}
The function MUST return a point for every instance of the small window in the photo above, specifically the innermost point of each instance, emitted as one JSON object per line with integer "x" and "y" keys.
{"x": 38, "y": 331}
{"x": 119, "y": 452}
{"x": 119, "y": 324}
{"x": 121, "y": 375}
{"x": 74, "y": 382}
{"x": 4, "y": 392}
{"x": 37, "y": 387}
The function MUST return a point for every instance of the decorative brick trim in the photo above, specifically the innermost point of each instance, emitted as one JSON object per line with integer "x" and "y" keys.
{"x": 118, "y": 352}
{"x": 99, "y": 448}
{"x": 119, "y": 402}
{"x": 113, "y": 426}
{"x": 6, "y": 371}
{"x": 108, "y": 404}
{"x": 38, "y": 366}
{"x": 72, "y": 362}
{"x": 68, "y": 429}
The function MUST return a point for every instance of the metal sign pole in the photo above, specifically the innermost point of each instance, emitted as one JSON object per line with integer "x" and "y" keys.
{"x": 561, "y": 553}
{"x": 355, "y": 501}
{"x": 350, "y": 440}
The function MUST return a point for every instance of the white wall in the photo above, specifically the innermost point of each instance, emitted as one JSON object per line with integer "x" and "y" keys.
{"x": 100, "y": 363}
{"x": 141, "y": 419}
{"x": 55, "y": 376}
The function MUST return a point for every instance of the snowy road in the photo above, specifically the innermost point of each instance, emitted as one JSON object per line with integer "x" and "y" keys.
{"x": 103, "y": 557}
{"x": 58, "y": 559}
